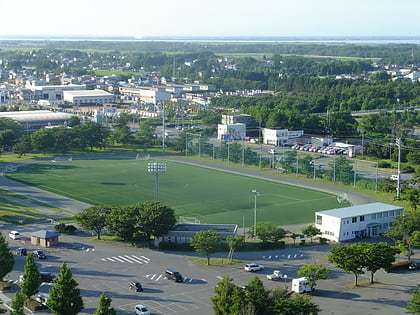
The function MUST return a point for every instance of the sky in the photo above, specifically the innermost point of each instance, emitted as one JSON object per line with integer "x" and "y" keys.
{"x": 234, "y": 18}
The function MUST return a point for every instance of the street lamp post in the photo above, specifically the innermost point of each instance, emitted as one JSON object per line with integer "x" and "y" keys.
{"x": 157, "y": 169}
{"x": 256, "y": 194}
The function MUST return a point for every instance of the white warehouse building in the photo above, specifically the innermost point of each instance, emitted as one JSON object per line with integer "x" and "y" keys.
{"x": 368, "y": 220}
{"x": 88, "y": 97}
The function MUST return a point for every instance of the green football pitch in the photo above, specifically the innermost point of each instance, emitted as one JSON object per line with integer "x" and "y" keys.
{"x": 208, "y": 195}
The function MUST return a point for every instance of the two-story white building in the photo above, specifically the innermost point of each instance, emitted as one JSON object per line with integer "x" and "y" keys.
{"x": 279, "y": 136}
{"x": 368, "y": 220}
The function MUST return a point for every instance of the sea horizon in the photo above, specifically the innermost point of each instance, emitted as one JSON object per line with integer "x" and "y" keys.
{"x": 225, "y": 39}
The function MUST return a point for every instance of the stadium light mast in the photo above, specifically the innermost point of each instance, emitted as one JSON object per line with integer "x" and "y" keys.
{"x": 256, "y": 194}
{"x": 157, "y": 169}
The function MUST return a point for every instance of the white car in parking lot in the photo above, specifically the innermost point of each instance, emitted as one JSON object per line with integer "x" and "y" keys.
{"x": 253, "y": 267}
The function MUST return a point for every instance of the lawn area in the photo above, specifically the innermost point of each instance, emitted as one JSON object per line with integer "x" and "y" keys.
{"x": 209, "y": 195}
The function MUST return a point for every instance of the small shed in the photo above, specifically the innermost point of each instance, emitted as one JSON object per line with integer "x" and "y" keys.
{"x": 44, "y": 238}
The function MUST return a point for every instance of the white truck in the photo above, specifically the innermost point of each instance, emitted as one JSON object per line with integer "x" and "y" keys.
{"x": 301, "y": 285}
{"x": 276, "y": 275}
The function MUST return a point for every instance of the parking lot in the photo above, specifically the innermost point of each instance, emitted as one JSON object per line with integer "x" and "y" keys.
{"x": 99, "y": 267}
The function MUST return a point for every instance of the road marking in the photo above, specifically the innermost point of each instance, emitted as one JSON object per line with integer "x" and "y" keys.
{"x": 128, "y": 260}
{"x": 152, "y": 277}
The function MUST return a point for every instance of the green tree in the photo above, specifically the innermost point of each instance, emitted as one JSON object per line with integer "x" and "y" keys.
{"x": 285, "y": 302}
{"x": 403, "y": 227}
{"x": 223, "y": 302}
{"x": 17, "y": 304}
{"x": 23, "y": 145}
{"x": 350, "y": 258}
{"x": 268, "y": 232}
{"x": 206, "y": 243}
{"x": 122, "y": 221}
{"x": 257, "y": 296}
{"x": 341, "y": 170}
{"x": 155, "y": 219}
{"x": 145, "y": 134}
{"x": 7, "y": 260}
{"x": 235, "y": 243}
{"x": 104, "y": 307}
{"x": 74, "y": 121}
{"x": 311, "y": 231}
{"x": 379, "y": 255}
{"x": 313, "y": 273}
{"x": 413, "y": 306}
{"x": 91, "y": 134}
{"x": 43, "y": 140}
{"x": 10, "y": 131}
{"x": 94, "y": 218}
{"x": 31, "y": 277}
{"x": 65, "y": 296}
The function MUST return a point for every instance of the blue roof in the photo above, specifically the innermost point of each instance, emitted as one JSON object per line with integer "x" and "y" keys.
{"x": 365, "y": 209}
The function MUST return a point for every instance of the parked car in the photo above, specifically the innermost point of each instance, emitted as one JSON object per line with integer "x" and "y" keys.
{"x": 136, "y": 286}
{"x": 47, "y": 276}
{"x": 42, "y": 298}
{"x": 14, "y": 235}
{"x": 39, "y": 254}
{"x": 173, "y": 275}
{"x": 253, "y": 267}
{"x": 276, "y": 275}
{"x": 21, "y": 251}
{"x": 141, "y": 310}
{"x": 414, "y": 266}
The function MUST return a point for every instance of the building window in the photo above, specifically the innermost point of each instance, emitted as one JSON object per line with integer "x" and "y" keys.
{"x": 373, "y": 216}
{"x": 362, "y": 218}
{"x": 391, "y": 213}
{"x": 354, "y": 220}
{"x": 385, "y": 214}
{"x": 379, "y": 215}
{"x": 319, "y": 219}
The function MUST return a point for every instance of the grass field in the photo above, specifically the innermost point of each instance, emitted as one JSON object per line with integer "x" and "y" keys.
{"x": 210, "y": 196}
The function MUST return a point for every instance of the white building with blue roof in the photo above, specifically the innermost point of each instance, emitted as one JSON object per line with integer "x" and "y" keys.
{"x": 369, "y": 220}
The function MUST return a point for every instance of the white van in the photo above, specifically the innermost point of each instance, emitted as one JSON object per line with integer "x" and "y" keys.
{"x": 301, "y": 285}
{"x": 14, "y": 235}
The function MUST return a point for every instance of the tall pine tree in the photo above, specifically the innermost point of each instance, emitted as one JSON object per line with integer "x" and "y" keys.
{"x": 104, "y": 307}
{"x": 7, "y": 260}
{"x": 65, "y": 296}
{"x": 31, "y": 277}
{"x": 17, "y": 304}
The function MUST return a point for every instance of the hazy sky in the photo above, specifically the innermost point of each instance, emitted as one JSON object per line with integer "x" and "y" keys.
{"x": 211, "y": 18}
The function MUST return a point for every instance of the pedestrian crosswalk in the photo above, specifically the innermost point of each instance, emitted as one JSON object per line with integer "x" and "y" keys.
{"x": 127, "y": 259}
{"x": 156, "y": 277}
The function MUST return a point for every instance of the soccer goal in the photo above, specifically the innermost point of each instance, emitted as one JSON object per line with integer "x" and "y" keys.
{"x": 62, "y": 159}
{"x": 142, "y": 156}
{"x": 342, "y": 198}
{"x": 193, "y": 220}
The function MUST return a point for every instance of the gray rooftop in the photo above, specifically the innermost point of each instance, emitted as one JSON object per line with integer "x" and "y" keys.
{"x": 44, "y": 234}
{"x": 365, "y": 209}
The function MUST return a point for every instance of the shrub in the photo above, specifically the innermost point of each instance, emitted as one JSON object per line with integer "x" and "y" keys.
{"x": 62, "y": 228}
{"x": 384, "y": 164}
{"x": 408, "y": 169}
{"x": 323, "y": 240}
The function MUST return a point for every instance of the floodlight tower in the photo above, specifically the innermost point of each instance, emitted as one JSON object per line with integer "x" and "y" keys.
{"x": 256, "y": 194}
{"x": 157, "y": 169}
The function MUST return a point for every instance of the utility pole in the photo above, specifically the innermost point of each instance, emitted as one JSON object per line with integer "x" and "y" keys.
{"x": 399, "y": 145}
